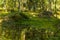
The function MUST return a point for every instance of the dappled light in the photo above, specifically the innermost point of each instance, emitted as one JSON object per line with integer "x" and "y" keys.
{"x": 1, "y": 20}
{"x": 29, "y": 19}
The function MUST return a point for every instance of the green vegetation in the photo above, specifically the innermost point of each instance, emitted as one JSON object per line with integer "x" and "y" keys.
{"x": 30, "y": 20}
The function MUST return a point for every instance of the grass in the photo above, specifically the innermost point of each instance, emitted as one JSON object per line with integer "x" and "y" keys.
{"x": 33, "y": 22}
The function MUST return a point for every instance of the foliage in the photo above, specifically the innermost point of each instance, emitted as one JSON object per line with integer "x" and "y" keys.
{"x": 29, "y": 20}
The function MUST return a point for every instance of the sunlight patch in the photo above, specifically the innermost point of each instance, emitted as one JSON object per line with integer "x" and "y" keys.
{"x": 1, "y": 20}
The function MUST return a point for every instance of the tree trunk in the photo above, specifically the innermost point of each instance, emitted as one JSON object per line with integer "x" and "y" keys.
{"x": 18, "y": 5}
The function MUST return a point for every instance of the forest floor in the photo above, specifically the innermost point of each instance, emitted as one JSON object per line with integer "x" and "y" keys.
{"x": 35, "y": 22}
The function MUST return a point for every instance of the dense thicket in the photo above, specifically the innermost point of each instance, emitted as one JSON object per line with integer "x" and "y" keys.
{"x": 29, "y": 20}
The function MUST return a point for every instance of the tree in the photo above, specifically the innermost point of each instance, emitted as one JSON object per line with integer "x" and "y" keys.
{"x": 55, "y": 8}
{"x": 18, "y": 5}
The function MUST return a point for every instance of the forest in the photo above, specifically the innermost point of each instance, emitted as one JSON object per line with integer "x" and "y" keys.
{"x": 29, "y": 19}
